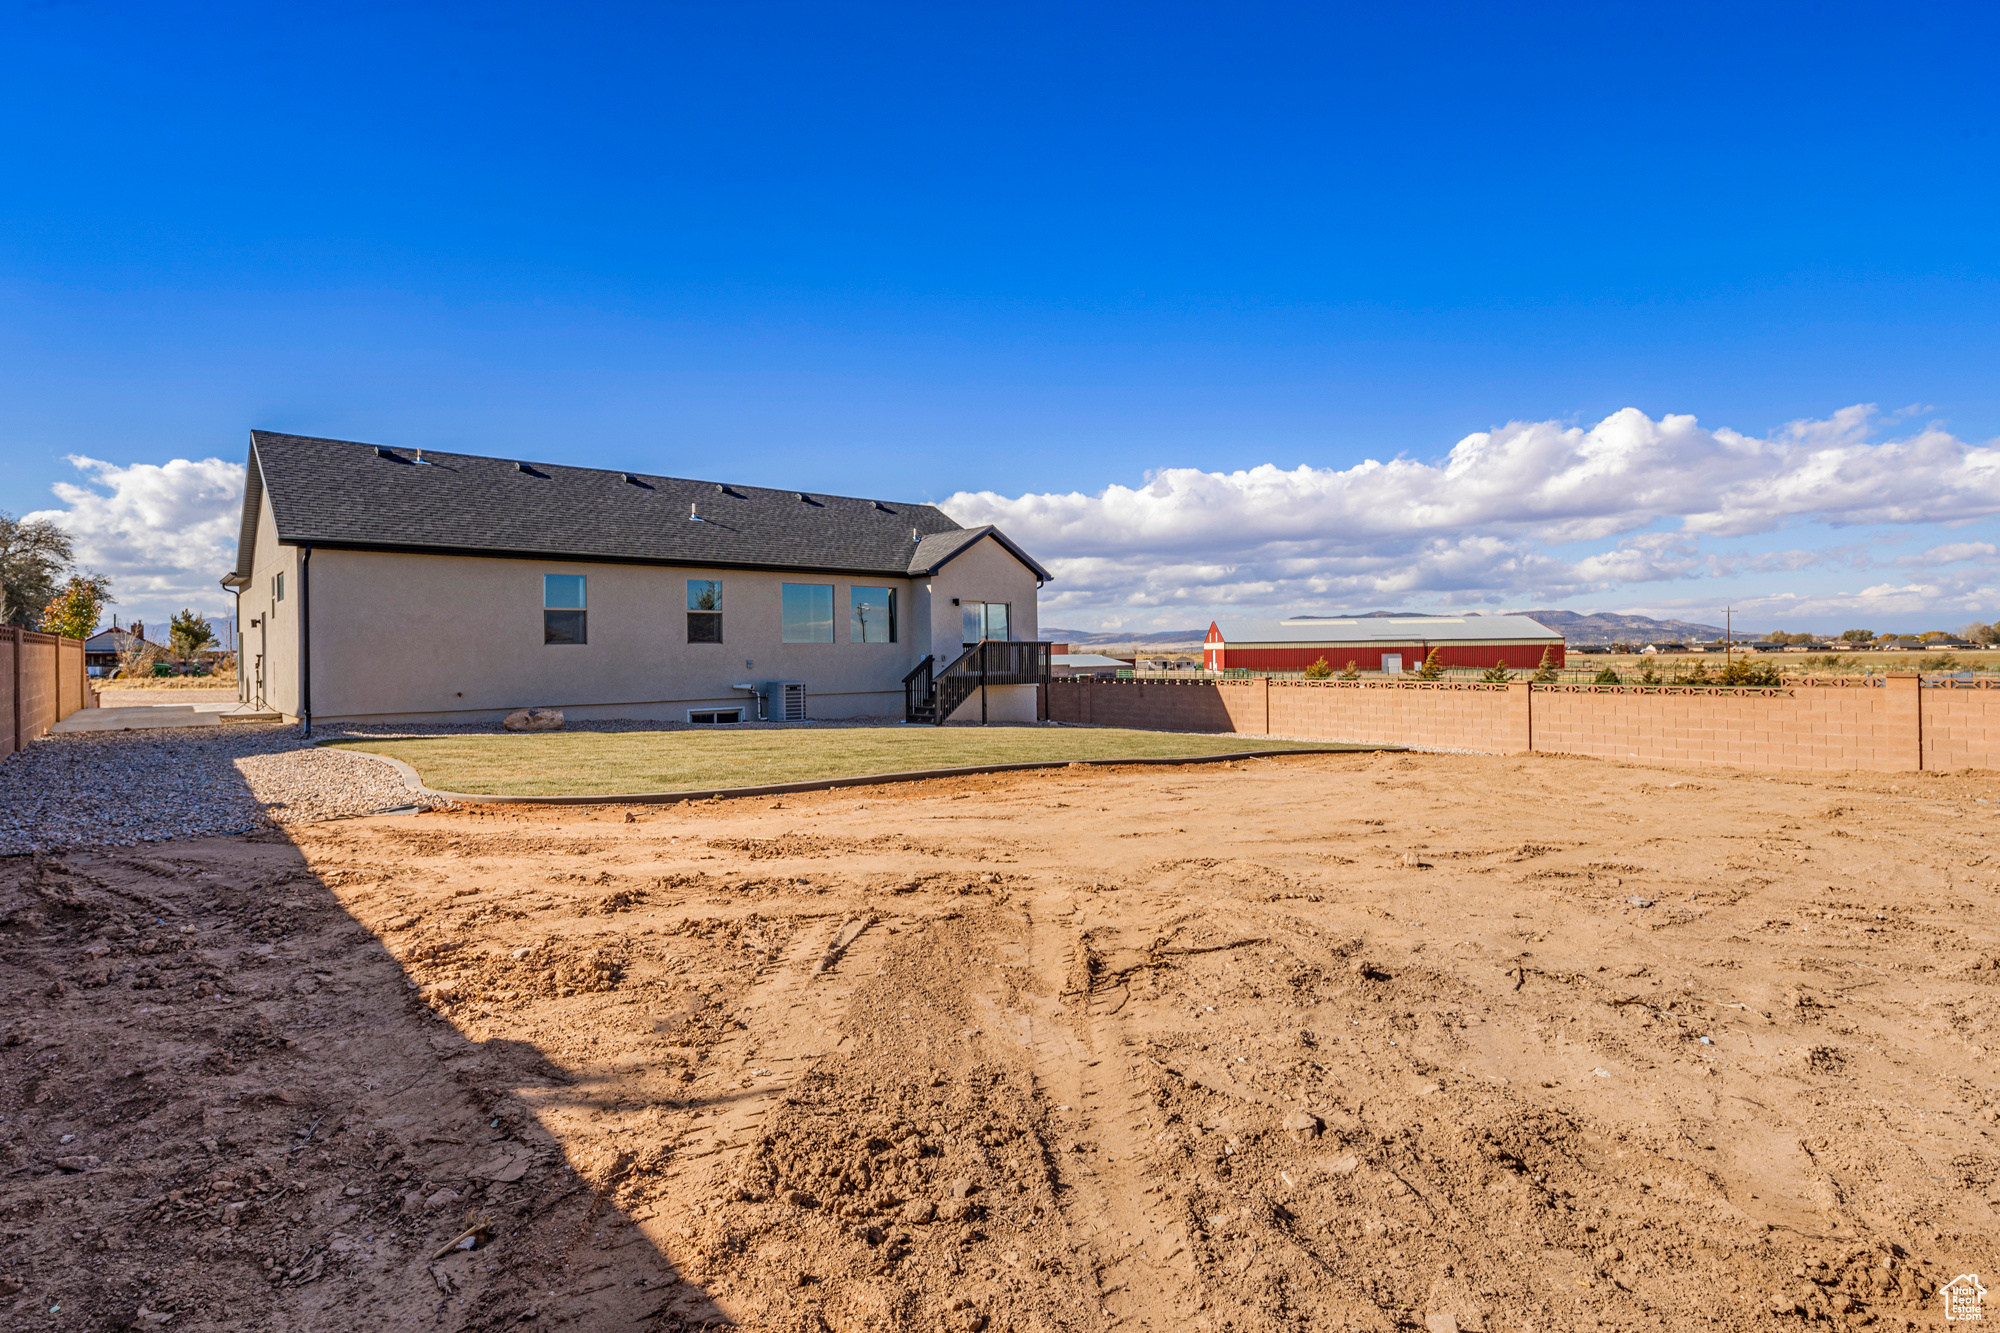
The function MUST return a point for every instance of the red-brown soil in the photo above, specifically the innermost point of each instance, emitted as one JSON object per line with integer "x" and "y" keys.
{"x": 1365, "y": 1042}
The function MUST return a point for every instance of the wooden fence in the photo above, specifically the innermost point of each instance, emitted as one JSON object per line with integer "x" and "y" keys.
{"x": 42, "y": 681}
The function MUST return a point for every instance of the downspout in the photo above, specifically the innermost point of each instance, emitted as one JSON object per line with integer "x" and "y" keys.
{"x": 305, "y": 644}
{"x": 236, "y": 640}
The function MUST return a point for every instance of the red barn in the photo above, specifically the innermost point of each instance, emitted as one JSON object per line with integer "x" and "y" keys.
{"x": 1380, "y": 643}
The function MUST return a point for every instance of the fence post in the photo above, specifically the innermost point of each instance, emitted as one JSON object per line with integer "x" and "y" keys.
{"x": 1521, "y": 715}
{"x": 1264, "y": 701}
{"x": 19, "y": 647}
{"x": 1906, "y": 721}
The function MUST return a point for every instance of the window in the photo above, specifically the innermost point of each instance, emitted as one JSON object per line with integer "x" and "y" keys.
{"x": 714, "y": 717}
{"x": 808, "y": 613}
{"x": 278, "y": 587}
{"x": 871, "y": 615}
{"x": 704, "y": 610}
{"x": 982, "y": 620}
{"x": 562, "y": 608}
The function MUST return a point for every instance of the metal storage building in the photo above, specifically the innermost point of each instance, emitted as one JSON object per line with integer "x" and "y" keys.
{"x": 1379, "y": 643}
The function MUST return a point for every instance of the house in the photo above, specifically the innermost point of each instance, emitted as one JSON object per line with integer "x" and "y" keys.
{"x": 387, "y": 584}
{"x": 1380, "y": 643}
{"x": 101, "y": 650}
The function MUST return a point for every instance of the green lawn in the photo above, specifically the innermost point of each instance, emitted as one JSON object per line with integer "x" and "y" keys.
{"x": 598, "y": 763}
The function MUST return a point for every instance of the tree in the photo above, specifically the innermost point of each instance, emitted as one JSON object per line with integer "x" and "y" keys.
{"x": 1649, "y": 674}
{"x": 189, "y": 634}
{"x": 34, "y": 556}
{"x": 1857, "y": 636}
{"x": 1353, "y": 671}
{"x": 1497, "y": 674}
{"x": 1545, "y": 674}
{"x": 1319, "y": 670}
{"x": 1606, "y": 677}
{"x": 1980, "y": 633}
{"x": 1432, "y": 669}
{"x": 75, "y": 611}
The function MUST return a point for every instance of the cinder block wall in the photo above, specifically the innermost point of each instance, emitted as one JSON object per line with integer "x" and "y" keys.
{"x": 1961, "y": 728}
{"x": 1824, "y": 727}
{"x": 1455, "y": 716}
{"x": 41, "y": 682}
{"x": 10, "y": 652}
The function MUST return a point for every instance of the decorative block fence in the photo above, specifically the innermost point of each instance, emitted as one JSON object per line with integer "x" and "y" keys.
{"x": 1890, "y": 725}
{"x": 42, "y": 681}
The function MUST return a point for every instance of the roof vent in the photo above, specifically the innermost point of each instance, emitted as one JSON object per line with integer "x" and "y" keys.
{"x": 807, "y": 498}
{"x": 631, "y": 480}
{"x": 884, "y": 508}
{"x": 694, "y": 514}
{"x": 913, "y": 535}
{"x": 422, "y": 461}
{"x": 380, "y": 452}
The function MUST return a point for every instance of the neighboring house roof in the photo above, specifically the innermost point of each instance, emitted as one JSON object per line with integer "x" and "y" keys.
{"x": 108, "y": 641}
{"x": 1306, "y": 631}
{"x": 340, "y": 494}
{"x": 1086, "y": 660}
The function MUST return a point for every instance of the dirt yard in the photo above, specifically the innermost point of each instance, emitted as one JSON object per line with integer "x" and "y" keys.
{"x": 1372, "y": 1042}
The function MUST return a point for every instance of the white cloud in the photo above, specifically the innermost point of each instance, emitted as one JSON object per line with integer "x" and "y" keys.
{"x": 165, "y": 533}
{"x": 1482, "y": 525}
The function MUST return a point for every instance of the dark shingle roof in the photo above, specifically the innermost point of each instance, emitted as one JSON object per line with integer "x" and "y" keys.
{"x": 341, "y": 494}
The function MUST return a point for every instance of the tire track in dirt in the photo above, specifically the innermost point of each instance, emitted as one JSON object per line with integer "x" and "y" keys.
{"x": 788, "y": 1021}
{"x": 1136, "y": 1241}
{"x": 786, "y": 1024}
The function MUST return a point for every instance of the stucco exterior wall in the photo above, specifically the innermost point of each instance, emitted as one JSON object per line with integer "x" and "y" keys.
{"x": 985, "y": 573}
{"x": 450, "y": 638}
{"x": 277, "y": 639}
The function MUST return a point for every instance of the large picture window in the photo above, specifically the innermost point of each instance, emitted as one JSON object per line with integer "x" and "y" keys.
{"x": 704, "y": 610}
{"x": 808, "y": 613}
{"x": 871, "y": 615}
{"x": 562, "y": 609}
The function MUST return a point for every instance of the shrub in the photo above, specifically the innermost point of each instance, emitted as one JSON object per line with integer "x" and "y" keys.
{"x": 1648, "y": 673}
{"x": 1497, "y": 674}
{"x": 1432, "y": 669}
{"x": 1743, "y": 671}
{"x": 1693, "y": 675}
{"x": 1606, "y": 677}
{"x": 1353, "y": 671}
{"x": 1546, "y": 673}
{"x": 136, "y": 657}
{"x": 1938, "y": 662}
{"x": 1319, "y": 671}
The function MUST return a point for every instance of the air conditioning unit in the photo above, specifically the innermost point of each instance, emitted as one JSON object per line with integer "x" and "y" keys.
{"x": 784, "y": 700}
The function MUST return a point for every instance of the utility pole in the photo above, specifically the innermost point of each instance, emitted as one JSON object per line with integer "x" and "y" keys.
{"x": 1728, "y": 633}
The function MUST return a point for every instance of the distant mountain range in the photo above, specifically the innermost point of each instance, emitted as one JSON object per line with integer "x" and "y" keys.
{"x": 1174, "y": 638}
{"x": 1610, "y": 627}
{"x": 1575, "y": 627}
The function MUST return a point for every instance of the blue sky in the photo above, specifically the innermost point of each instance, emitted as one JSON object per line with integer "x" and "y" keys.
{"x": 1032, "y": 260}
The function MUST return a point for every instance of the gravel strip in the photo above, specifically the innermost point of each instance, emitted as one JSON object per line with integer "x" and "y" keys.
{"x": 116, "y": 788}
